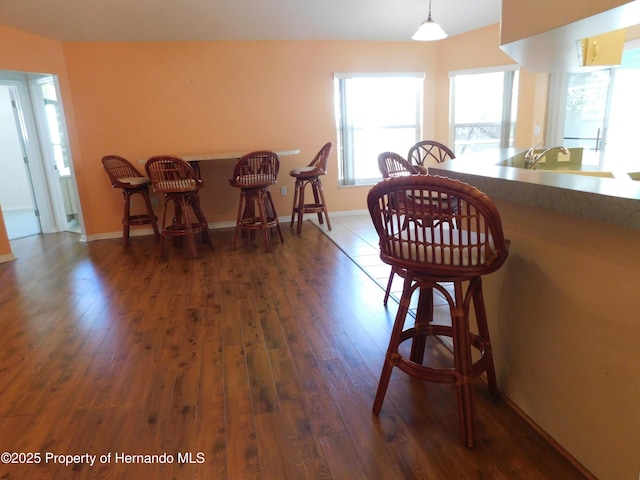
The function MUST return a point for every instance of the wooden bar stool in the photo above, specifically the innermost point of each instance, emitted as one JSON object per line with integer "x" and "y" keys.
{"x": 429, "y": 152}
{"x": 179, "y": 183}
{"x": 254, "y": 173}
{"x": 433, "y": 243}
{"x": 125, "y": 176}
{"x": 392, "y": 165}
{"x": 310, "y": 175}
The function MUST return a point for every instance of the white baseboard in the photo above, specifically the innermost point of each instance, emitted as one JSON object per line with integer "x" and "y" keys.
{"x": 141, "y": 232}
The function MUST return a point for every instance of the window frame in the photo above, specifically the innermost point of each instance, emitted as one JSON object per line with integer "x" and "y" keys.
{"x": 509, "y": 102}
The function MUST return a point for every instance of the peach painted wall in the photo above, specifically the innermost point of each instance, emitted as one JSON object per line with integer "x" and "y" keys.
{"x": 479, "y": 49}
{"x": 143, "y": 99}
{"x": 25, "y": 52}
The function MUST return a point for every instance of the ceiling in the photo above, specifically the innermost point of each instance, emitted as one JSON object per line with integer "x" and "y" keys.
{"x": 184, "y": 20}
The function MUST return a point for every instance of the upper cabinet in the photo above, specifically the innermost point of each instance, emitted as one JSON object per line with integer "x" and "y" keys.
{"x": 548, "y": 36}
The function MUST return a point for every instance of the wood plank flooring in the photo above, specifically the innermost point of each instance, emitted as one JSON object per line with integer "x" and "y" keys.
{"x": 238, "y": 365}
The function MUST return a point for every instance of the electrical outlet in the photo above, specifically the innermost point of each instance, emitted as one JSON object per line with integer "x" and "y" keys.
{"x": 283, "y": 190}
{"x": 154, "y": 201}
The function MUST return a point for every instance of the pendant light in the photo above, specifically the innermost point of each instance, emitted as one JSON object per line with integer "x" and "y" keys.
{"x": 429, "y": 30}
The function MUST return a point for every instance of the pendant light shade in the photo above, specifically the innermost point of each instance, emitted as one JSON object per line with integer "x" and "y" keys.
{"x": 429, "y": 30}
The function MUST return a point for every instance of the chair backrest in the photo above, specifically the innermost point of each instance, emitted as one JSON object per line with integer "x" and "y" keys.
{"x": 320, "y": 161}
{"x": 421, "y": 232}
{"x": 119, "y": 171}
{"x": 171, "y": 174}
{"x": 254, "y": 169}
{"x": 393, "y": 165}
{"x": 429, "y": 152}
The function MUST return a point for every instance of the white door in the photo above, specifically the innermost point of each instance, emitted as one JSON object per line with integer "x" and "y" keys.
{"x": 55, "y": 151}
{"x": 41, "y": 138}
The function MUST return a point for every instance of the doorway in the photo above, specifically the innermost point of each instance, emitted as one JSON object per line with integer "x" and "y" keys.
{"x": 597, "y": 110}
{"x": 37, "y": 189}
{"x": 19, "y": 206}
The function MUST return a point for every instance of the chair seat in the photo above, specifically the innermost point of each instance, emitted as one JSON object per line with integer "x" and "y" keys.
{"x": 177, "y": 186}
{"x": 309, "y": 171}
{"x": 255, "y": 180}
{"x": 135, "y": 181}
{"x": 447, "y": 247}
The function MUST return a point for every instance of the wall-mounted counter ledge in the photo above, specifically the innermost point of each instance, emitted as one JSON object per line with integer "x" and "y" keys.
{"x": 609, "y": 200}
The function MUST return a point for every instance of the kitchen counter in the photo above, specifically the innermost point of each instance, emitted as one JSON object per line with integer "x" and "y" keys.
{"x": 562, "y": 310}
{"x": 610, "y": 200}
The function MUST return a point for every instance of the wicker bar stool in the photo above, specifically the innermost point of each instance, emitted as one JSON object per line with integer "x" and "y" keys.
{"x": 310, "y": 175}
{"x": 414, "y": 220}
{"x": 253, "y": 174}
{"x": 429, "y": 152}
{"x": 125, "y": 176}
{"x": 179, "y": 183}
{"x": 392, "y": 165}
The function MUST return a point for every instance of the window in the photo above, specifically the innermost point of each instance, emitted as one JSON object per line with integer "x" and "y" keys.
{"x": 375, "y": 113}
{"x": 597, "y": 110}
{"x": 483, "y": 109}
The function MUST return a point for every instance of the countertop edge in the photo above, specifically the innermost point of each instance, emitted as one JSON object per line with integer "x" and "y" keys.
{"x": 606, "y": 200}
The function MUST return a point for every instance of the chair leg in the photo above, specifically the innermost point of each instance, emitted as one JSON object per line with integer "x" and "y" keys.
{"x": 126, "y": 216}
{"x": 463, "y": 367}
{"x": 319, "y": 196}
{"x": 424, "y": 317}
{"x": 264, "y": 219}
{"x": 150, "y": 212}
{"x": 391, "y": 358}
{"x": 272, "y": 215}
{"x": 296, "y": 206}
{"x": 194, "y": 201}
{"x": 186, "y": 221}
{"x": 303, "y": 185}
{"x": 167, "y": 199}
{"x": 389, "y": 283}
{"x": 241, "y": 207}
{"x": 483, "y": 331}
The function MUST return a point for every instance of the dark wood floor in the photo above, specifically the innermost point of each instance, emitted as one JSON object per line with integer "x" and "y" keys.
{"x": 258, "y": 365}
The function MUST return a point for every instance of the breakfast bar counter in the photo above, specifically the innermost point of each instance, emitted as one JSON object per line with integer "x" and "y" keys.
{"x": 609, "y": 200}
{"x": 563, "y": 310}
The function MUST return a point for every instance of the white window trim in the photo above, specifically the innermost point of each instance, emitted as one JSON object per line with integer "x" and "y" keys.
{"x": 505, "y": 122}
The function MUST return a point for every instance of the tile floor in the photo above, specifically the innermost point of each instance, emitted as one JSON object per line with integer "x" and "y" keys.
{"x": 354, "y": 234}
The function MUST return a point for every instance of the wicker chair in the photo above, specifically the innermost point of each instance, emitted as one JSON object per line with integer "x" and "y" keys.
{"x": 391, "y": 164}
{"x": 179, "y": 183}
{"x": 429, "y": 152}
{"x": 254, "y": 173}
{"x": 430, "y": 252}
{"x": 125, "y": 176}
{"x": 310, "y": 175}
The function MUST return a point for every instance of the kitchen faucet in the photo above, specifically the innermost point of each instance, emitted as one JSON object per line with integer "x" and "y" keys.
{"x": 531, "y": 159}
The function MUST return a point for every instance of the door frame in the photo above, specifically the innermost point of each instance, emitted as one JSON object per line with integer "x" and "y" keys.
{"x": 34, "y": 130}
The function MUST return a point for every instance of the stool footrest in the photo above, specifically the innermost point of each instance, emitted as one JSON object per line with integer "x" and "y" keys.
{"x": 141, "y": 219}
{"x": 442, "y": 375}
{"x": 179, "y": 230}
